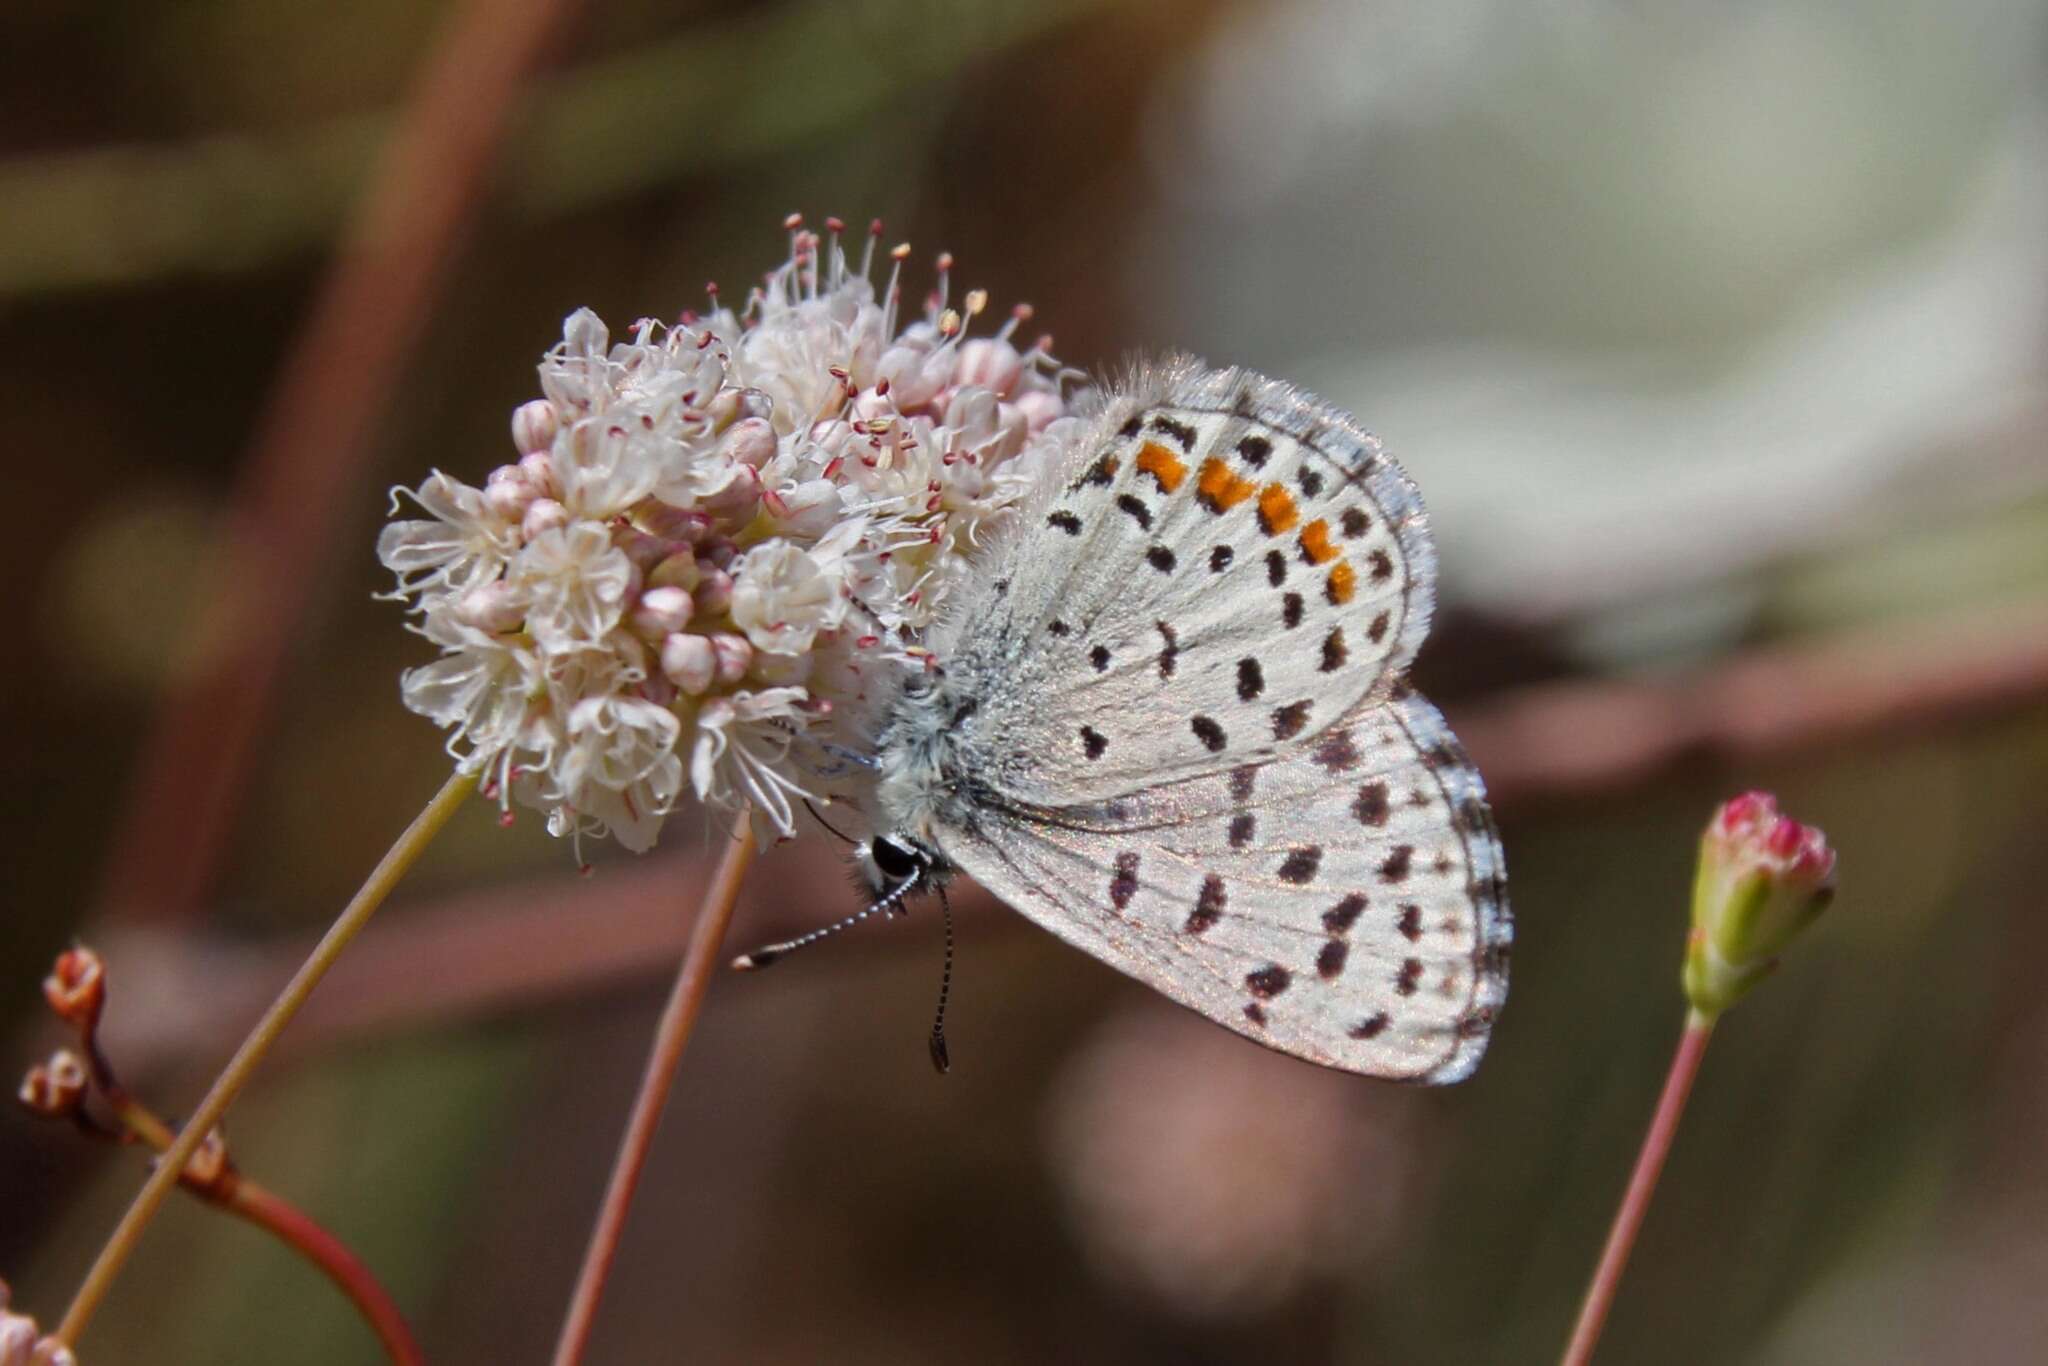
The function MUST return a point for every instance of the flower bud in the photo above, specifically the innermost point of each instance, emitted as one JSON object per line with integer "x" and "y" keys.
{"x": 1041, "y": 408}
{"x": 989, "y": 363}
{"x": 677, "y": 571}
{"x": 714, "y": 592}
{"x": 533, "y": 426}
{"x": 77, "y": 988}
{"x": 811, "y": 508}
{"x": 539, "y": 469}
{"x": 678, "y": 524}
{"x": 734, "y": 654}
{"x": 1762, "y": 878}
{"x": 543, "y": 516}
{"x": 750, "y": 441}
{"x": 508, "y": 492}
{"x": 660, "y": 611}
{"x": 689, "y": 661}
{"x": 55, "y": 1089}
{"x": 495, "y": 607}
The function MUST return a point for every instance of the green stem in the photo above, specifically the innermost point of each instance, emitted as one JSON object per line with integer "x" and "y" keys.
{"x": 171, "y": 1166}
{"x": 1642, "y": 1185}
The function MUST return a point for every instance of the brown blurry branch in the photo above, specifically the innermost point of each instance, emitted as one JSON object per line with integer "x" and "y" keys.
{"x": 120, "y": 215}
{"x": 497, "y": 949}
{"x": 306, "y": 459}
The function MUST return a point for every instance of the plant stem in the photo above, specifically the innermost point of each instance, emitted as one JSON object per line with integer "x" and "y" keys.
{"x": 671, "y": 1035}
{"x": 290, "y": 1225}
{"x": 294, "y": 1227}
{"x": 1642, "y": 1185}
{"x": 171, "y": 1166}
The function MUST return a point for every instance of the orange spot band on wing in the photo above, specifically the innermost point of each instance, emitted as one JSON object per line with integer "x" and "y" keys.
{"x": 1161, "y": 463}
{"x": 1220, "y": 489}
{"x": 1277, "y": 512}
{"x": 1315, "y": 542}
{"x": 1343, "y": 581}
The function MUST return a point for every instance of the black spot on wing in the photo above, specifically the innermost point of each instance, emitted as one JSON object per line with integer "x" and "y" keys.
{"x": 1123, "y": 885}
{"x": 1289, "y": 720}
{"x": 1342, "y": 916}
{"x": 1355, "y": 522}
{"x": 1371, "y": 1027}
{"x": 1092, "y": 742}
{"x": 1220, "y": 558}
{"x": 1255, "y": 450}
{"x": 1330, "y": 961}
{"x": 1065, "y": 521}
{"x": 1243, "y": 826}
{"x": 1310, "y": 481}
{"x": 1209, "y": 733}
{"x": 1208, "y": 906}
{"x": 1169, "y": 650}
{"x": 1299, "y": 867}
{"x": 1268, "y": 981}
{"x": 1099, "y": 657}
{"x": 1160, "y": 558}
{"x": 1334, "y": 652}
{"x": 1135, "y": 508}
{"x": 1251, "y": 679}
{"x": 1179, "y": 431}
{"x": 1290, "y": 610}
{"x": 1276, "y": 568}
{"x": 1371, "y": 806}
{"x": 1396, "y": 865}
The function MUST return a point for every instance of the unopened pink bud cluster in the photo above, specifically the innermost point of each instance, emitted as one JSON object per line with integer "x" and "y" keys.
{"x": 23, "y": 1344}
{"x": 1763, "y": 878}
{"x": 715, "y": 539}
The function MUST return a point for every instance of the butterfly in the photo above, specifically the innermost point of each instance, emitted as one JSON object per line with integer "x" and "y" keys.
{"x": 1168, "y": 719}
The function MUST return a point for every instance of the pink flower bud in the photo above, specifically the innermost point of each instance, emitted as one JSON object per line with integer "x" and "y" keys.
{"x": 1763, "y": 877}
{"x": 734, "y": 654}
{"x": 714, "y": 591}
{"x": 750, "y": 441}
{"x": 689, "y": 661}
{"x": 1041, "y": 408}
{"x": 811, "y": 508}
{"x": 77, "y": 988}
{"x": 55, "y": 1088}
{"x": 643, "y": 549}
{"x": 989, "y": 363}
{"x": 660, "y": 611}
{"x": 539, "y": 467}
{"x": 533, "y": 426}
{"x": 677, "y": 571}
{"x": 686, "y": 525}
{"x": 508, "y": 492}
{"x": 544, "y": 515}
{"x": 495, "y": 607}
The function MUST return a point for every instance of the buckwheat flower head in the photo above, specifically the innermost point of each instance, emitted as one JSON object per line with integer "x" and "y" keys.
{"x": 718, "y": 540}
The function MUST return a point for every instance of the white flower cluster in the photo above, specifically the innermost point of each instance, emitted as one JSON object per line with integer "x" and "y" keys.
{"x": 23, "y": 1344}
{"x": 717, "y": 537}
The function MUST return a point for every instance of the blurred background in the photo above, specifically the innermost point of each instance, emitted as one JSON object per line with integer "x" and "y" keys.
{"x": 1714, "y": 337}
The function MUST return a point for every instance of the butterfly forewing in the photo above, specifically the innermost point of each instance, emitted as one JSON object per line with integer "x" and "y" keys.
{"x": 1224, "y": 572}
{"x": 1344, "y": 903}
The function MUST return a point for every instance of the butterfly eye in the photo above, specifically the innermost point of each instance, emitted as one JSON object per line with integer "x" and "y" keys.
{"x": 893, "y": 859}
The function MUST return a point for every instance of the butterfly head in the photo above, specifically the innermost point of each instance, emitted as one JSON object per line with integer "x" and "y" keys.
{"x": 897, "y": 862}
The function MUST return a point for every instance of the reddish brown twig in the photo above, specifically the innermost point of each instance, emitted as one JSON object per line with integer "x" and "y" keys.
{"x": 1642, "y": 1185}
{"x": 291, "y": 1225}
{"x": 671, "y": 1036}
{"x": 309, "y": 448}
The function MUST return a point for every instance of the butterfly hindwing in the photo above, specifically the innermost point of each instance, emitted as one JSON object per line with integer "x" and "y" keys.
{"x": 1222, "y": 571}
{"x": 1344, "y": 902}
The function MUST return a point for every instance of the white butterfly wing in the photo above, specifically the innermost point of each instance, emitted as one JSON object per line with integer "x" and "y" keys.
{"x": 1345, "y": 903}
{"x": 1228, "y": 568}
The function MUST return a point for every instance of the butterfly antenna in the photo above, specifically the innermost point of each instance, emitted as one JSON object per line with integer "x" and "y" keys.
{"x": 940, "y": 1058}
{"x": 820, "y": 819}
{"x": 769, "y": 953}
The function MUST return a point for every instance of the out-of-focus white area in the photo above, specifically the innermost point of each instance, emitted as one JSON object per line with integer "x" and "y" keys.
{"x": 1645, "y": 297}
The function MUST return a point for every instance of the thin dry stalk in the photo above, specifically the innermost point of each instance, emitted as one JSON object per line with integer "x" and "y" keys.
{"x": 1642, "y": 1187}
{"x": 671, "y": 1036}
{"x": 171, "y": 1167}
{"x": 310, "y": 449}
